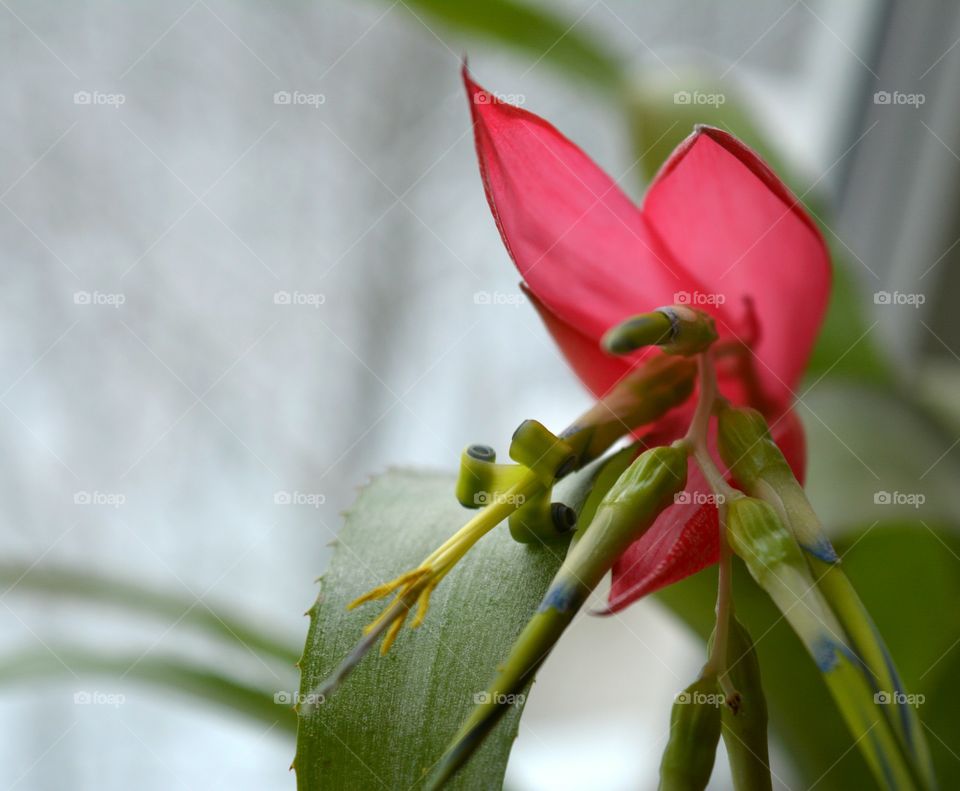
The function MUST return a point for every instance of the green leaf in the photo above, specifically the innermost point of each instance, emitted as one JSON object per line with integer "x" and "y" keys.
{"x": 393, "y": 717}
{"x": 909, "y": 578}
{"x": 877, "y": 444}
{"x": 541, "y": 34}
{"x": 846, "y": 346}
{"x": 170, "y": 674}
{"x": 659, "y": 122}
{"x": 142, "y": 601}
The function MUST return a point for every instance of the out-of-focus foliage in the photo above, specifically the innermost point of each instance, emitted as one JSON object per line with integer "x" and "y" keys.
{"x": 556, "y": 40}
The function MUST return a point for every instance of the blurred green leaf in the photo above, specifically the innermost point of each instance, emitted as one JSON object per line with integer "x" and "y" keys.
{"x": 393, "y": 717}
{"x": 536, "y": 30}
{"x": 172, "y": 675}
{"x": 909, "y": 578}
{"x": 846, "y": 346}
{"x": 142, "y": 601}
{"x": 864, "y": 444}
{"x": 660, "y": 119}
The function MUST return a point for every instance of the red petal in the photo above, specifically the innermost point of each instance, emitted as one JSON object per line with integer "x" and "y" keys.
{"x": 685, "y": 537}
{"x": 580, "y": 243}
{"x": 725, "y": 215}
{"x": 683, "y": 540}
{"x": 599, "y": 372}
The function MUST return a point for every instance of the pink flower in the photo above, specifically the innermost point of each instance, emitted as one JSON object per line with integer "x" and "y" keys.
{"x": 717, "y": 230}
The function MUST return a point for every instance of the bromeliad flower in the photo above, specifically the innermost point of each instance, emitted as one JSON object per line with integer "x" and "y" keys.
{"x": 717, "y": 231}
{"x": 741, "y": 277}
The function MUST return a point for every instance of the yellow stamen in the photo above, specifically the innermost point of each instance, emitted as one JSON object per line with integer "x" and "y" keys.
{"x": 392, "y": 632}
{"x": 423, "y": 603}
{"x": 387, "y": 588}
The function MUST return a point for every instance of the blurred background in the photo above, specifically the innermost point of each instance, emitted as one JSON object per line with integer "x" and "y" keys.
{"x": 248, "y": 264}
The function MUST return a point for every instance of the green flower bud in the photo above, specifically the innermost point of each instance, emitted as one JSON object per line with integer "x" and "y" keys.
{"x": 676, "y": 329}
{"x": 760, "y": 538}
{"x": 624, "y": 514}
{"x": 745, "y": 732}
{"x": 694, "y": 733}
{"x": 758, "y": 464}
{"x": 743, "y": 439}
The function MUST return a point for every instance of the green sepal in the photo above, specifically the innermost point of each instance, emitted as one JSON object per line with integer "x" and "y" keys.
{"x": 691, "y": 750}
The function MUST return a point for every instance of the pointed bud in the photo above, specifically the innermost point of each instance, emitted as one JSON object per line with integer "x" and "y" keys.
{"x": 743, "y": 439}
{"x": 647, "y": 329}
{"x": 676, "y": 329}
{"x": 694, "y": 733}
{"x": 760, "y": 538}
{"x": 760, "y": 467}
{"x": 745, "y": 732}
